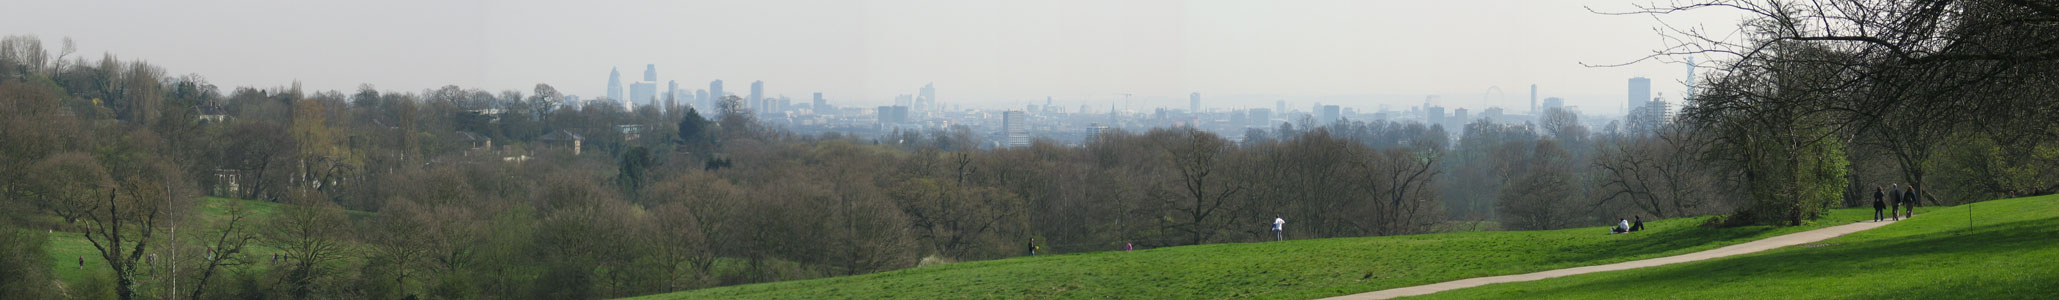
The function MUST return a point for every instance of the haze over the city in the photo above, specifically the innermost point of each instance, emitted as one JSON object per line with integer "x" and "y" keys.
{"x": 1236, "y": 54}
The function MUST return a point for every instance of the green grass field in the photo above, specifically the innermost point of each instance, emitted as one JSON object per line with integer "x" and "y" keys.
{"x": 67, "y": 247}
{"x": 2010, "y": 251}
{"x": 1292, "y": 269}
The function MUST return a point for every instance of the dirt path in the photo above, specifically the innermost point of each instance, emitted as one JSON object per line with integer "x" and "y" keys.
{"x": 1747, "y": 247}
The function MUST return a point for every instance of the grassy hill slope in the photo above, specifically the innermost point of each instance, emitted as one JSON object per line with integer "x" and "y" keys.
{"x": 67, "y": 247}
{"x": 2007, "y": 249}
{"x": 1292, "y": 269}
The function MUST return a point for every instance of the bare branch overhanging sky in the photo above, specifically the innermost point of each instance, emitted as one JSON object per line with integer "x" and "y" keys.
{"x": 979, "y": 53}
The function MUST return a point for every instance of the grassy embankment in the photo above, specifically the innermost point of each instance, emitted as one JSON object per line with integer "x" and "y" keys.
{"x": 2002, "y": 249}
{"x": 1292, "y": 269}
{"x": 67, "y": 247}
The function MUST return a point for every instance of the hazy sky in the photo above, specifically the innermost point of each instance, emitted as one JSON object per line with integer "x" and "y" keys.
{"x": 987, "y": 53}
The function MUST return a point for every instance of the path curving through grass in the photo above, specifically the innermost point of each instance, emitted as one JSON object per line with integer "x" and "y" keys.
{"x": 1792, "y": 239}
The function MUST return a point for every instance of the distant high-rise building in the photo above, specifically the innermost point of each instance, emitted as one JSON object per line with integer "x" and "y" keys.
{"x": 757, "y": 95}
{"x": 821, "y": 105}
{"x": 891, "y": 115}
{"x": 715, "y": 94}
{"x": 1433, "y": 115}
{"x": 1460, "y": 116}
{"x": 643, "y": 93}
{"x": 1332, "y": 113}
{"x": 926, "y": 98}
{"x": 1690, "y": 80}
{"x": 1492, "y": 114}
{"x": 614, "y": 84}
{"x": 1533, "y": 99}
{"x": 701, "y": 103}
{"x": 1551, "y": 103}
{"x": 1280, "y": 106}
{"x": 1194, "y": 102}
{"x": 650, "y": 72}
{"x": 1015, "y": 125}
{"x": 671, "y": 91}
{"x": 1649, "y": 116}
{"x": 671, "y": 95}
{"x": 1640, "y": 93}
{"x": 1261, "y": 117}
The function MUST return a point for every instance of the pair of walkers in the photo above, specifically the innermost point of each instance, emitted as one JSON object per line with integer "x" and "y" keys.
{"x": 1899, "y": 201}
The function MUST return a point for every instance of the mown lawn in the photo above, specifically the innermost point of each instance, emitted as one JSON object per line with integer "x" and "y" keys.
{"x": 2010, "y": 250}
{"x": 67, "y": 247}
{"x": 1292, "y": 269}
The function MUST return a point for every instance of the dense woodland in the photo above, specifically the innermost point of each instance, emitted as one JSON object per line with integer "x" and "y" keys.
{"x": 457, "y": 193}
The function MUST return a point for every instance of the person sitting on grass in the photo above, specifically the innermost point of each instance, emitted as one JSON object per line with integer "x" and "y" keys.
{"x": 1622, "y": 226}
{"x": 1638, "y": 226}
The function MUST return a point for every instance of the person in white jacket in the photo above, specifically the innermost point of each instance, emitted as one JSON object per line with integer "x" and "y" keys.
{"x": 1622, "y": 227}
{"x": 1279, "y": 225}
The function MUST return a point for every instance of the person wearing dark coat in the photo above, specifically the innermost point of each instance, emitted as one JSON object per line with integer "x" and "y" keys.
{"x": 1639, "y": 225}
{"x": 1894, "y": 201}
{"x": 1878, "y": 204}
{"x": 1909, "y": 209}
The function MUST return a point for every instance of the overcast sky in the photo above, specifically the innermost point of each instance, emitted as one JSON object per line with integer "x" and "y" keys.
{"x": 985, "y": 53}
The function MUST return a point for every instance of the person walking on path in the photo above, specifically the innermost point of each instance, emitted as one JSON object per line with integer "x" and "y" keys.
{"x": 1909, "y": 210}
{"x": 1279, "y": 225}
{"x": 1894, "y": 201}
{"x": 1878, "y": 204}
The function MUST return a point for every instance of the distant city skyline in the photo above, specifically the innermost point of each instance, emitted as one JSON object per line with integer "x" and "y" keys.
{"x": 1356, "y": 54}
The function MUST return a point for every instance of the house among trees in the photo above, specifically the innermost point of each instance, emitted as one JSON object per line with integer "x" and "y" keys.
{"x": 562, "y": 139}
{"x": 475, "y": 141}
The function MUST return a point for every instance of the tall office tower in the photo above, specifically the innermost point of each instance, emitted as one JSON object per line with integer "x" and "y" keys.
{"x": 1690, "y": 80}
{"x": 1194, "y": 102}
{"x": 1640, "y": 92}
{"x": 650, "y": 72}
{"x": 1015, "y": 125}
{"x": 821, "y": 105}
{"x": 890, "y": 115}
{"x": 642, "y": 93}
{"x": 1280, "y": 106}
{"x": 671, "y": 95}
{"x": 614, "y": 84}
{"x": 715, "y": 96}
{"x": 1551, "y": 103}
{"x": 1460, "y": 116}
{"x": 926, "y": 99}
{"x": 700, "y": 102}
{"x": 671, "y": 89}
{"x": 757, "y": 95}
{"x": 1434, "y": 115}
{"x": 1331, "y": 113}
{"x": 1533, "y": 99}
{"x": 1261, "y": 117}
